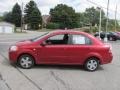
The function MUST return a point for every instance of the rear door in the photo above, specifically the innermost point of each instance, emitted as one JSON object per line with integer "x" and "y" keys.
{"x": 78, "y": 48}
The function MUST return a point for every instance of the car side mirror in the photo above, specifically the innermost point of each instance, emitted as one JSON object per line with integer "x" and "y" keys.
{"x": 43, "y": 44}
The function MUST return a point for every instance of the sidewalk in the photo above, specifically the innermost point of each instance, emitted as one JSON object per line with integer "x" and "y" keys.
{"x": 3, "y": 84}
{"x": 12, "y": 79}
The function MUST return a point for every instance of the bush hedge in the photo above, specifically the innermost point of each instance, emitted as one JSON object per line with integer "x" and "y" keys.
{"x": 52, "y": 26}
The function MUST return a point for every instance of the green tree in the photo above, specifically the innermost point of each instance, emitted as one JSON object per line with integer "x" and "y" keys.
{"x": 64, "y": 15}
{"x": 111, "y": 25}
{"x": 32, "y": 15}
{"x": 7, "y": 17}
{"x": 52, "y": 26}
{"x": 35, "y": 19}
{"x": 92, "y": 14}
{"x": 83, "y": 20}
{"x": 1, "y": 18}
{"x": 28, "y": 10}
{"x": 16, "y": 15}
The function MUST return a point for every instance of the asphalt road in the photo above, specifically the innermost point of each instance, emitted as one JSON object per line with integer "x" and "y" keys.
{"x": 107, "y": 77}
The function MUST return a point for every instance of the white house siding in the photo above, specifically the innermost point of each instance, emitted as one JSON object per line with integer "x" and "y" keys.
{"x": 1, "y": 29}
{"x": 6, "y": 27}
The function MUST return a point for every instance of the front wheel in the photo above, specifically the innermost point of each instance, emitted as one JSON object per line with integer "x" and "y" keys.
{"x": 91, "y": 64}
{"x": 26, "y": 61}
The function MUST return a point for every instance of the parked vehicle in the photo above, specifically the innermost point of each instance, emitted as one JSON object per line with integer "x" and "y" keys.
{"x": 61, "y": 47}
{"x": 112, "y": 36}
{"x": 118, "y": 34}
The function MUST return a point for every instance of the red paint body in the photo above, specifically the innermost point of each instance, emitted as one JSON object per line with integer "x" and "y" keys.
{"x": 63, "y": 54}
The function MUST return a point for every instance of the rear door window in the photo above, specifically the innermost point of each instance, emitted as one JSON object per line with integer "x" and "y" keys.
{"x": 80, "y": 39}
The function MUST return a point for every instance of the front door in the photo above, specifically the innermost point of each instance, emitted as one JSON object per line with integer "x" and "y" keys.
{"x": 54, "y": 51}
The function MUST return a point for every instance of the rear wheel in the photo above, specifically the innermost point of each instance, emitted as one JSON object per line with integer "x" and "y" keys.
{"x": 26, "y": 61}
{"x": 92, "y": 64}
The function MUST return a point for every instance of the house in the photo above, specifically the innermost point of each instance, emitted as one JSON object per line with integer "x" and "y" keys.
{"x": 6, "y": 27}
{"x": 46, "y": 19}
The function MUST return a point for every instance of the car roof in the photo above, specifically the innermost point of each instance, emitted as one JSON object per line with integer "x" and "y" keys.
{"x": 68, "y": 31}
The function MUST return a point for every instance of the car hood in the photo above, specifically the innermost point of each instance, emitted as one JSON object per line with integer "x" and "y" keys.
{"x": 24, "y": 42}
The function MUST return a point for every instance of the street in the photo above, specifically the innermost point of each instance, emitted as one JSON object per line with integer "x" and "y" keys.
{"x": 47, "y": 77}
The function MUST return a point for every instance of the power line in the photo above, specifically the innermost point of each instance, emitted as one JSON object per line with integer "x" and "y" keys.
{"x": 101, "y": 6}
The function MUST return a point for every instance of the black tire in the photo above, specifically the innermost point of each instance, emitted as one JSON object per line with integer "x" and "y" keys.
{"x": 88, "y": 64}
{"x": 26, "y": 61}
{"x": 115, "y": 39}
{"x": 112, "y": 39}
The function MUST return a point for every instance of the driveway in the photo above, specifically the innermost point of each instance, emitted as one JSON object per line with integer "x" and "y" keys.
{"x": 46, "y": 77}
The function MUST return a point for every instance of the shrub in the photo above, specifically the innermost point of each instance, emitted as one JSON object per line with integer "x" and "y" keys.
{"x": 53, "y": 26}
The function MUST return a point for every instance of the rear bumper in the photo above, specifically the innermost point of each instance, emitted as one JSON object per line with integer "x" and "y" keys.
{"x": 108, "y": 59}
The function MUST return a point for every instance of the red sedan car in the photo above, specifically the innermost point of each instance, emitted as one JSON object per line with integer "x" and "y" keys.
{"x": 61, "y": 47}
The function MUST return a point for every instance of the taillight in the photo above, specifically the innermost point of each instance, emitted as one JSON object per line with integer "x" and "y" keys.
{"x": 110, "y": 49}
{"x": 109, "y": 46}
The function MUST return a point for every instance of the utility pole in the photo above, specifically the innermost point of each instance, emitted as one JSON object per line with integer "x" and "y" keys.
{"x": 106, "y": 39}
{"x": 100, "y": 24}
{"x": 116, "y": 18}
{"x": 21, "y": 16}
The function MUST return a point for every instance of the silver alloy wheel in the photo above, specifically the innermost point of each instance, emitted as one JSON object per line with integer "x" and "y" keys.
{"x": 26, "y": 62}
{"x": 92, "y": 65}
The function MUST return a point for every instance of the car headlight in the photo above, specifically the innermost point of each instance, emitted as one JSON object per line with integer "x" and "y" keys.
{"x": 13, "y": 48}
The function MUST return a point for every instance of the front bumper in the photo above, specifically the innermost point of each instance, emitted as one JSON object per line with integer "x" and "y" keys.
{"x": 13, "y": 57}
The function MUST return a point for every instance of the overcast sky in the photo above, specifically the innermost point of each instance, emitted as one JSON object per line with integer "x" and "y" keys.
{"x": 78, "y": 5}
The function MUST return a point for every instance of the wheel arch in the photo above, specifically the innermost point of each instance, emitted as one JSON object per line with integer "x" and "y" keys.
{"x": 93, "y": 57}
{"x": 26, "y": 54}
{"x": 96, "y": 55}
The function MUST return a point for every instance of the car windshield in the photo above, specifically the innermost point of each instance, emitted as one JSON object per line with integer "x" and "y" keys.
{"x": 39, "y": 37}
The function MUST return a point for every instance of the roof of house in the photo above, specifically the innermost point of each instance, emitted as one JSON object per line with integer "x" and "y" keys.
{"x": 46, "y": 18}
{"x": 6, "y": 24}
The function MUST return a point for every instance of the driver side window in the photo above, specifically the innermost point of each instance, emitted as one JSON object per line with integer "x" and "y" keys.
{"x": 58, "y": 39}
